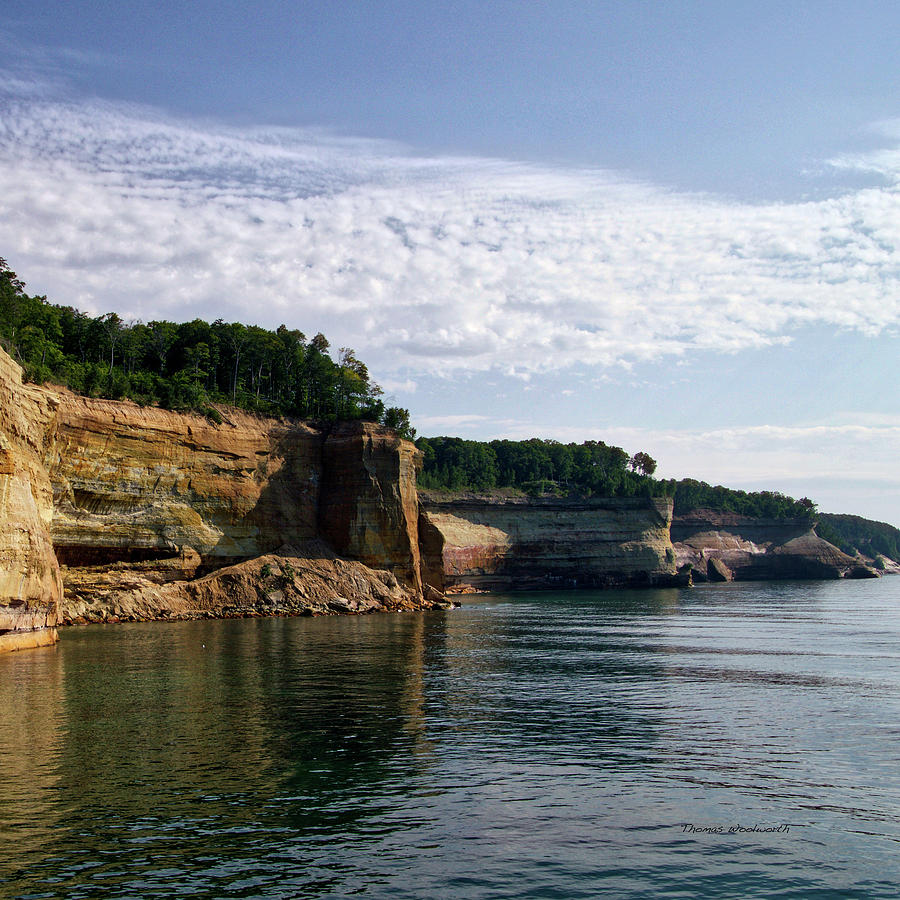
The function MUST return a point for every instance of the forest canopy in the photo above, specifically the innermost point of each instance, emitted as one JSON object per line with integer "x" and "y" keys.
{"x": 592, "y": 468}
{"x": 197, "y": 365}
{"x": 854, "y": 534}
{"x": 188, "y": 365}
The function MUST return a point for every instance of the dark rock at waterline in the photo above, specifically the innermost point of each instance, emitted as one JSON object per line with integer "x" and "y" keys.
{"x": 716, "y": 570}
{"x": 861, "y": 572}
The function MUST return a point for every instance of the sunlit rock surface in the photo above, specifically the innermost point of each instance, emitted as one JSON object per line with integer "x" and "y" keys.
{"x": 30, "y": 587}
{"x": 133, "y": 483}
{"x": 503, "y": 543}
{"x": 754, "y": 549}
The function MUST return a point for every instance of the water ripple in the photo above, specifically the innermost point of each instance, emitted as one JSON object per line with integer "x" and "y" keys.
{"x": 550, "y": 745}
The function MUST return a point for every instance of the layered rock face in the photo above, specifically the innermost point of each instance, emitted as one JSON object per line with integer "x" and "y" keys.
{"x": 721, "y": 545}
{"x": 142, "y": 494}
{"x": 134, "y": 483}
{"x": 30, "y": 586}
{"x": 520, "y": 543}
{"x": 137, "y": 502}
{"x": 369, "y": 508}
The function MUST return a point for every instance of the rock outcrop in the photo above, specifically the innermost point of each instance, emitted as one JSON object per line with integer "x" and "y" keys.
{"x": 369, "y": 509}
{"x": 140, "y": 490}
{"x": 753, "y": 549}
{"x": 297, "y": 581}
{"x": 156, "y": 514}
{"x": 30, "y": 586}
{"x": 491, "y": 543}
{"x": 139, "y": 503}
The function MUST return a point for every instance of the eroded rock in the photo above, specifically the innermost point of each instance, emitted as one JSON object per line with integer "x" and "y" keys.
{"x": 30, "y": 585}
{"x": 754, "y": 549}
{"x": 491, "y": 543}
{"x": 304, "y": 580}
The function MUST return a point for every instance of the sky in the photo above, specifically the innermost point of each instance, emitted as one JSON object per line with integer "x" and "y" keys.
{"x": 670, "y": 226}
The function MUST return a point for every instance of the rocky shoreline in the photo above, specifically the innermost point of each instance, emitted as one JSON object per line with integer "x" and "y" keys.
{"x": 296, "y": 581}
{"x": 110, "y": 511}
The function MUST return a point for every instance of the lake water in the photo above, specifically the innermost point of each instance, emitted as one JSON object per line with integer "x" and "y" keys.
{"x": 553, "y": 745}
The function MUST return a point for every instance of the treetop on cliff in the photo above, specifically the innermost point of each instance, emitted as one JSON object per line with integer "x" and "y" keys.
{"x": 190, "y": 365}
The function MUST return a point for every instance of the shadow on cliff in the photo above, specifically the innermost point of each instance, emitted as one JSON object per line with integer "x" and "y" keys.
{"x": 286, "y": 512}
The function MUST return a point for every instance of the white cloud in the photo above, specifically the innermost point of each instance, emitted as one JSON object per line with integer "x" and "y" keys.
{"x": 435, "y": 423}
{"x": 424, "y": 265}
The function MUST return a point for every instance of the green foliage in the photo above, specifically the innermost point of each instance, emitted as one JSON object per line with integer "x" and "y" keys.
{"x": 643, "y": 463}
{"x": 854, "y": 534}
{"x": 541, "y": 467}
{"x": 188, "y": 366}
{"x": 691, "y": 494}
{"x": 288, "y": 574}
{"x": 534, "y": 466}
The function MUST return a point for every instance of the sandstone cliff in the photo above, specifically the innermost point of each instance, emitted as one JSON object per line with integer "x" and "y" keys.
{"x": 138, "y": 502}
{"x": 30, "y": 587}
{"x": 134, "y": 486}
{"x": 132, "y": 483}
{"x": 721, "y": 545}
{"x": 369, "y": 509}
{"x": 490, "y": 543}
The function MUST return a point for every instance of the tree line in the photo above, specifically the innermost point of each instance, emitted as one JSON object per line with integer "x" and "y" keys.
{"x": 535, "y": 466}
{"x": 189, "y": 365}
{"x": 197, "y": 365}
{"x": 592, "y": 468}
{"x": 854, "y": 534}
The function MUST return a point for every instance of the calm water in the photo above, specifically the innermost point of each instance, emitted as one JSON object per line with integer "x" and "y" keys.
{"x": 541, "y": 745}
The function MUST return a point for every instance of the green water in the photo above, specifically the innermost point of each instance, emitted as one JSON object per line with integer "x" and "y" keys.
{"x": 537, "y": 745}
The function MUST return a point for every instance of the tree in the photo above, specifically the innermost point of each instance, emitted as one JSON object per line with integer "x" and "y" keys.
{"x": 162, "y": 337}
{"x": 398, "y": 418}
{"x": 643, "y": 463}
{"x": 113, "y": 328}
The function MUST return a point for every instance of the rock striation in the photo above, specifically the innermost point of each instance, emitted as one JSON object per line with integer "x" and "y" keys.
{"x": 135, "y": 483}
{"x": 724, "y": 546}
{"x": 369, "y": 509}
{"x": 505, "y": 543}
{"x": 30, "y": 586}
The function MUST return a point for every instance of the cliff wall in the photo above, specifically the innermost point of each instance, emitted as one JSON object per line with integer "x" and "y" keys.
{"x": 369, "y": 508}
{"x": 721, "y": 546}
{"x": 144, "y": 498}
{"x": 133, "y": 483}
{"x": 30, "y": 586}
{"x": 137, "y": 503}
{"x": 490, "y": 543}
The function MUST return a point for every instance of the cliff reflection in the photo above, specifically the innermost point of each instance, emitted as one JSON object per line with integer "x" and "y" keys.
{"x": 160, "y": 751}
{"x": 31, "y": 701}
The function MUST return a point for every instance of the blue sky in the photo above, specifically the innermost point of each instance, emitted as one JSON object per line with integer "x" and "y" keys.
{"x": 671, "y": 226}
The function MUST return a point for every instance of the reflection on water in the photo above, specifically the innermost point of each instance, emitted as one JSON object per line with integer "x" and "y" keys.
{"x": 523, "y": 746}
